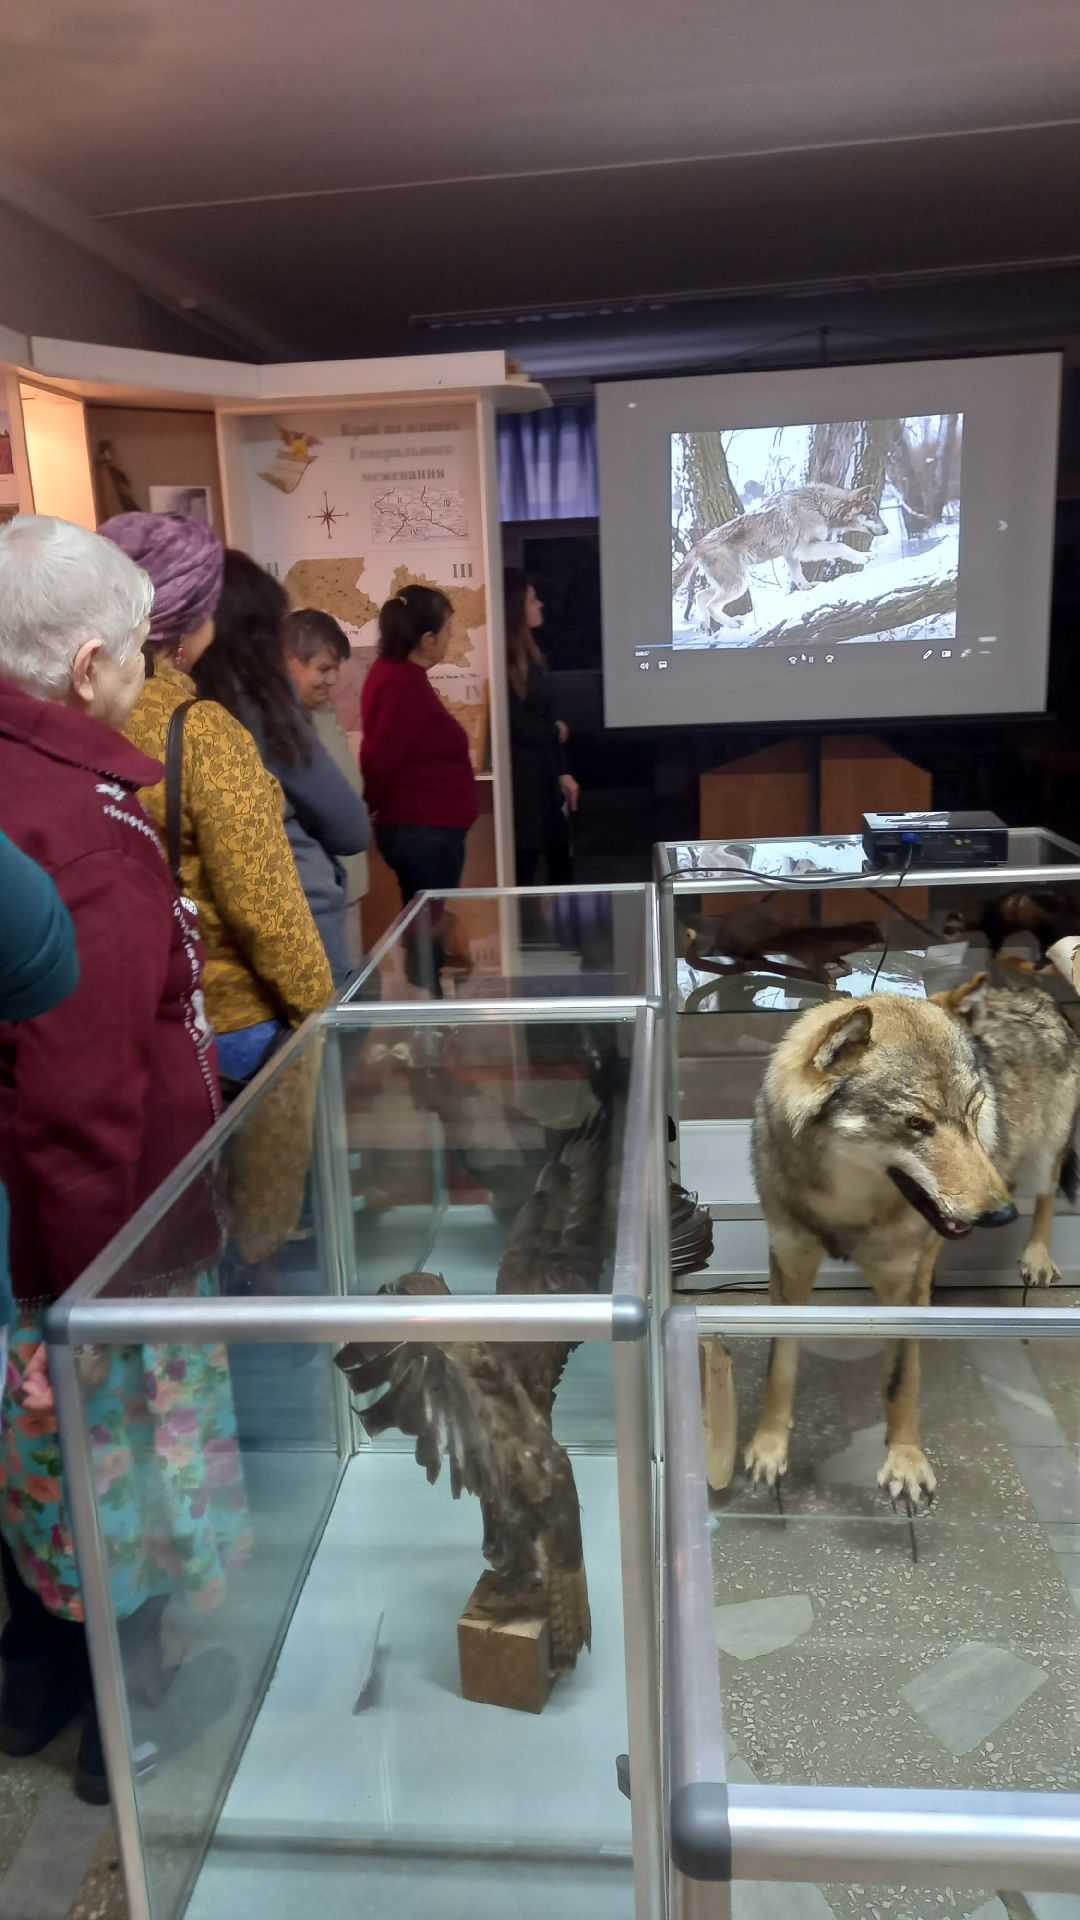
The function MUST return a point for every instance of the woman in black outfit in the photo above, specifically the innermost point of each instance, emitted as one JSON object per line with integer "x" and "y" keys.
{"x": 545, "y": 794}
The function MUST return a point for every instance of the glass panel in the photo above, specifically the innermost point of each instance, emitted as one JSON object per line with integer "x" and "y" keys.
{"x": 208, "y": 1524}
{"x": 368, "y": 1783}
{"x": 469, "y": 1146}
{"x": 759, "y": 958}
{"x": 249, "y": 1221}
{"x": 281, "y": 1757}
{"x": 838, "y": 854}
{"x": 290, "y": 1647}
{"x": 859, "y": 1646}
{"x": 781, "y": 951}
{"x": 467, "y": 946}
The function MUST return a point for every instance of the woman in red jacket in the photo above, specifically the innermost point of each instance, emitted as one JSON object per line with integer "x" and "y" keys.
{"x": 99, "y": 1100}
{"x": 414, "y": 756}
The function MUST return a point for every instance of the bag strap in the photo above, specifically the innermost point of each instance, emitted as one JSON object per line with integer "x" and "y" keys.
{"x": 174, "y": 787}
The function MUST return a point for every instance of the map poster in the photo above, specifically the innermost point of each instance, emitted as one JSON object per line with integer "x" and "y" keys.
{"x": 9, "y": 490}
{"x": 348, "y": 507}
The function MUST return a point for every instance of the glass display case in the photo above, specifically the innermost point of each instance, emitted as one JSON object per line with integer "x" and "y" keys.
{"x": 390, "y": 1323}
{"x": 865, "y": 1713}
{"x": 754, "y": 932}
{"x": 520, "y": 943}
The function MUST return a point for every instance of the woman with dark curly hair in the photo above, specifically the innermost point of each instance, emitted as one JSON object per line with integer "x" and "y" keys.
{"x": 264, "y": 963}
{"x": 245, "y": 671}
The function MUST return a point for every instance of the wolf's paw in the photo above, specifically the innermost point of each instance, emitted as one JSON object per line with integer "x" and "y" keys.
{"x": 1037, "y": 1269}
{"x": 907, "y": 1471}
{"x": 766, "y": 1456}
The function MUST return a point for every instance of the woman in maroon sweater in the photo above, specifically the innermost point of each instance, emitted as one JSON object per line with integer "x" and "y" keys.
{"x": 418, "y": 778}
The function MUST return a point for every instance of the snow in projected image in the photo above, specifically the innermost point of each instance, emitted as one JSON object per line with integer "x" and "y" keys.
{"x": 816, "y": 536}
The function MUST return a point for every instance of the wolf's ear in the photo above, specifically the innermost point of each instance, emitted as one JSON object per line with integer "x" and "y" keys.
{"x": 845, "y": 1037}
{"x": 963, "y": 1001}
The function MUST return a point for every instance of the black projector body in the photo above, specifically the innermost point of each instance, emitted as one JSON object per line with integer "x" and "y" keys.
{"x": 895, "y": 842}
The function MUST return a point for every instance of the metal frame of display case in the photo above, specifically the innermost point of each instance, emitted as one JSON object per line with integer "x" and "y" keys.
{"x": 628, "y": 1318}
{"x": 672, "y": 878}
{"x": 721, "y": 1832}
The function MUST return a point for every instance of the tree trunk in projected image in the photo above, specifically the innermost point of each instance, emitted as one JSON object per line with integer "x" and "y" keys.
{"x": 870, "y": 460}
{"x": 925, "y": 471}
{"x": 712, "y": 493}
{"x": 834, "y": 450}
{"x": 900, "y": 607}
{"x": 711, "y": 488}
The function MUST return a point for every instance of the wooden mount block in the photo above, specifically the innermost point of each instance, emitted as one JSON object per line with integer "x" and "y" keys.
{"x": 720, "y": 1411}
{"x": 504, "y": 1662}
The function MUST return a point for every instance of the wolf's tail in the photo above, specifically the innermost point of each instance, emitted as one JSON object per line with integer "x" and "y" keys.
{"x": 1070, "y": 1174}
{"x": 684, "y": 569}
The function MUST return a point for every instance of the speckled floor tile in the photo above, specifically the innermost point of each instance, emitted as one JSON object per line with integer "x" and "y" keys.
{"x": 752, "y": 1628}
{"x": 970, "y": 1694}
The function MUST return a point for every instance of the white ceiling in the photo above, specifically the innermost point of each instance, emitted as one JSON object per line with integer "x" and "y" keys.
{"x": 333, "y": 168}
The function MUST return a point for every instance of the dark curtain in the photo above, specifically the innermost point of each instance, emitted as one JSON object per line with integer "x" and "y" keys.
{"x": 547, "y": 464}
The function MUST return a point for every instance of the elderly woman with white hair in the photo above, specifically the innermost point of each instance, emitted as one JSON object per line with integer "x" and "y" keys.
{"x": 99, "y": 1100}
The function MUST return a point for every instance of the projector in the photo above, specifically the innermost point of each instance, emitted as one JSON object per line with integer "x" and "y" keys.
{"x": 896, "y": 841}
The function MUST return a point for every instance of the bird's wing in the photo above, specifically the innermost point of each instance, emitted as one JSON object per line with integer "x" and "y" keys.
{"x": 466, "y": 1403}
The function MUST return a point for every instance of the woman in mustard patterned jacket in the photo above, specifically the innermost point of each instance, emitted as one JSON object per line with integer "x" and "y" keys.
{"x": 264, "y": 964}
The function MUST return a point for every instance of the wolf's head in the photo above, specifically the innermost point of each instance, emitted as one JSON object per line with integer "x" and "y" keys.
{"x": 861, "y": 514}
{"x": 894, "y": 1085}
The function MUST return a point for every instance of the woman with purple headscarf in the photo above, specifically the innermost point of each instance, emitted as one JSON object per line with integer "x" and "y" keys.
{"x": 265, "y": 968}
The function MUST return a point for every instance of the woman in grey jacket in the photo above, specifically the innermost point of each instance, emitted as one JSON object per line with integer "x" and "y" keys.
{"x": 326, "y": 819}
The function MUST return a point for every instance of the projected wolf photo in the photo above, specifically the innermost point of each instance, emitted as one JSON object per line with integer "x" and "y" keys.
{"x": 816, "y": 536}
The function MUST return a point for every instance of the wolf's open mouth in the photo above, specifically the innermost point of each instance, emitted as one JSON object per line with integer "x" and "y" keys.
{"x": 917, "y": 1197}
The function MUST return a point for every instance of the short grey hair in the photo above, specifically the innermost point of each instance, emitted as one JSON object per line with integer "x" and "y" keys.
{"x": 61, "y": 586}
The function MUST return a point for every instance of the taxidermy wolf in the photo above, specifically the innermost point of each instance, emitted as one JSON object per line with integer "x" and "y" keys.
{"x": 885, "y": 1126}
{"x": 802, "y": 523}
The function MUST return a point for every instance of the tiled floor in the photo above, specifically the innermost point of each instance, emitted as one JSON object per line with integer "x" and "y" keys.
{"x": 58, "y": 1859}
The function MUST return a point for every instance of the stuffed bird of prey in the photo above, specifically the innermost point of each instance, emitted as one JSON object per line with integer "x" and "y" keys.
{"x": 486, "y": 1408}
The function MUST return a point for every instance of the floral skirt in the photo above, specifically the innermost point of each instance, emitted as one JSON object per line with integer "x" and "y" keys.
{"x": 170, "y": 1489}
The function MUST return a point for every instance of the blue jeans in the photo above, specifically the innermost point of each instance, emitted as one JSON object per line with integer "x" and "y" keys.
{"x": 241, "y": 1054}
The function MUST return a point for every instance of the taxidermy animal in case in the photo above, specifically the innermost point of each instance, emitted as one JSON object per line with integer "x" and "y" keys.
{"x": 1045, "y": 914}
{"x": 757, "y": 940}
{"x": 885, "y": 1126}
{"x": 486, "y": 1408}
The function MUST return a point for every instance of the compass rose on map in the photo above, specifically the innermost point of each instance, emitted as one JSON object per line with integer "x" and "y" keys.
{"x": 329, "y": 516}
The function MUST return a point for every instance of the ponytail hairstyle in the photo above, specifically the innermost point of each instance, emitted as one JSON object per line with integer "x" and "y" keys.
{"x": 405, "y": 619}
{"x": 522, "y": 651}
